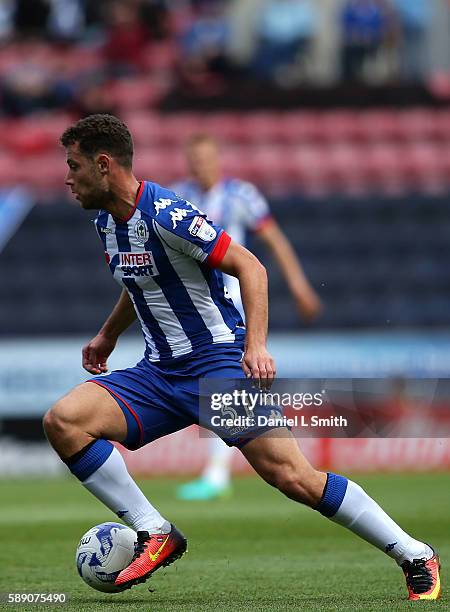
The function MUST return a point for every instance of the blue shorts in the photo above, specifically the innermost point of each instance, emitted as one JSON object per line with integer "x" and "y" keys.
{"x": 158, "y": 401}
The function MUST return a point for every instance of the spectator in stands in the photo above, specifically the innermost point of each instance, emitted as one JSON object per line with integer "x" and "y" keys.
{"x": 155, "y": 16}
{"x": 413, "y": 19}
{"x": 92, "y": 97}
{"x": 66, "y": 20}
{"x": 93, "y": 12}
{"x": 6, "y": 19}
{"x": 365, "y": 25}
{"x": 32, "y": 87}
{"x": 203, "y": 49}
{"x": 285, "y": 31}
{"x": 31, "y": 16}
{"x": 126, "y": 37}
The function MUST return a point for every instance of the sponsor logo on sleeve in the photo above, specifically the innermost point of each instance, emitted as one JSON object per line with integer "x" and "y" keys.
{"x": 201, "y": 229}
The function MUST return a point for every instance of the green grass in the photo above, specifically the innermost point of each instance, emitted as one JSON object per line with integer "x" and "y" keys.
{"x": 256, "y": 551}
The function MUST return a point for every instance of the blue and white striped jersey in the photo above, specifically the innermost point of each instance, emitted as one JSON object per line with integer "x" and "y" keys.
{"x": 165, "y": 254}
{"x": 235, "y": 205}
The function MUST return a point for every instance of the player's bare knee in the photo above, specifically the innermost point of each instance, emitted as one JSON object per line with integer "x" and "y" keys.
{"x": 59, "y": 419}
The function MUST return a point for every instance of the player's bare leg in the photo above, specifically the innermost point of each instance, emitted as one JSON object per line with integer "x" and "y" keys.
{"x": 79, "y": 427}
{"x": 85, "y": 414}
{"x": 277, "y": 458}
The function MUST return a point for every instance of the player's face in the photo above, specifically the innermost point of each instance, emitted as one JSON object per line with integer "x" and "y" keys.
{"x": 85, "y": 180}
{"x": 203, "y": 162}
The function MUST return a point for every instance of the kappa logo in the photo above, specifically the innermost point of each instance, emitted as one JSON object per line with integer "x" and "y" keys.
{"x": 141, "y": 231}
{"x": 178, "y": 214}
{"x": 194, "y": 207}
{"x": 162, "y": 204}
{"x": 106, "y": 230}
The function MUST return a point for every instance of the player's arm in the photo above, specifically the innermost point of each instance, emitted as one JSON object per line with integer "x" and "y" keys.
{"x": 239, "y": 262}
{"x": 97, "y": 351}
{"x": 307, "y": 300}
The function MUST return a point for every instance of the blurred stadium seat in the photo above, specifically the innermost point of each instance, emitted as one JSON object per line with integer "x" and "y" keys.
{"x": 321, "y": 152}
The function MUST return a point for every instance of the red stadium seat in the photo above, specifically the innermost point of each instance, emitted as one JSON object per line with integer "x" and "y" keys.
{"x": 146, "y": 127}
{"x": 260, "y": 127}
{"x": 308, "y": 169}
{"x": 177, "y": 128}
{"x": 340, "y": 126}
{"x": 10, "y": 57}
{"x": 235, "y": 161}
{"x": 82, "y": 59}
{"x": 34, "y": 134}
{"x": 160, "y": 56}
{"x": 163, "y": 165}
{"x": 442, "y": 119}
{"x": 422, "y": 168}
{"x": 381, "y": 165}
{"x": 45, "y": 172}
{"x": 226, "y": 127}
{"x": 9, "y": 170}
{"x": 378, "y": 125}
{"x": 444, "y": 160}
{"x": 135, "y": 93}
{"x": 344, "y": 167}
{"x": 267, "y": 165}
{"x": 417, "y": 124}
{"x": 298, "y": 128}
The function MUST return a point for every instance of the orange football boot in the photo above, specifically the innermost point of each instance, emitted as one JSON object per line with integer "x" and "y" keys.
{"x": 422, "y": 578}
{"x": 152, "y": 551}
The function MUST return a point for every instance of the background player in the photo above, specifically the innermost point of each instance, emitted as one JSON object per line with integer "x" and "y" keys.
{"x": 239, "y": 208}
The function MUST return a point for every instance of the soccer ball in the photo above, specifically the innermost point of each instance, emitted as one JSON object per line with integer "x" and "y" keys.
{"x": 102, "y": 553}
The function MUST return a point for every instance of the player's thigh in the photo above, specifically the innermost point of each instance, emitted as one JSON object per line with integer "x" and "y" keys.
{"x": 91, "y": 408}
{"x": 276, "y": 456}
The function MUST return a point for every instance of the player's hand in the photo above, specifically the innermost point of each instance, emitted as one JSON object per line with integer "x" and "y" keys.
{"x": 96, "y": 353}
{"x": 259, "y": 365}
{"x": 309, "y": 306}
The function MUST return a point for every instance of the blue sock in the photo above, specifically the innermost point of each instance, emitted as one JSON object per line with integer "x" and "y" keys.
{"x": 333, "y": 495}
{"x": 89, "y": 459}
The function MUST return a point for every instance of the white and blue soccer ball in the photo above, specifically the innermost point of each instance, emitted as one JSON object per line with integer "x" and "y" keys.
{"x": 103, "y": 552}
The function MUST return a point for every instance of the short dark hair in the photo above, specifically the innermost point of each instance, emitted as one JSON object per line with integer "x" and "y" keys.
{"x": 101, "y": 133}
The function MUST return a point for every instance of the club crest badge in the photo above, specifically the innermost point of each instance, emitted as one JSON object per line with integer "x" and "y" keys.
{"x": 141, "y": 231}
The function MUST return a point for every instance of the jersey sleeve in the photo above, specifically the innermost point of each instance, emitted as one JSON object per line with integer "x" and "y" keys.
{"x": 180, "y": 188}
{"x": 255, "y": 208}
{"x": 186, "y": 229}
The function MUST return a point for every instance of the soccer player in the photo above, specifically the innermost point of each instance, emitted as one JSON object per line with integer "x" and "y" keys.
{"x": 239, "y": 208}
{"x": 166, "y": 255}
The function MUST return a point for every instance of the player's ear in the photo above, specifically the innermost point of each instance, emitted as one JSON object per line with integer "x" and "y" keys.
{"x": 103, "y": 162}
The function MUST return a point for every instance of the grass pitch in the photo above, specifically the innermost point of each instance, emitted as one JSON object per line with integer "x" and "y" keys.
{"x": 257, "y": 551}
